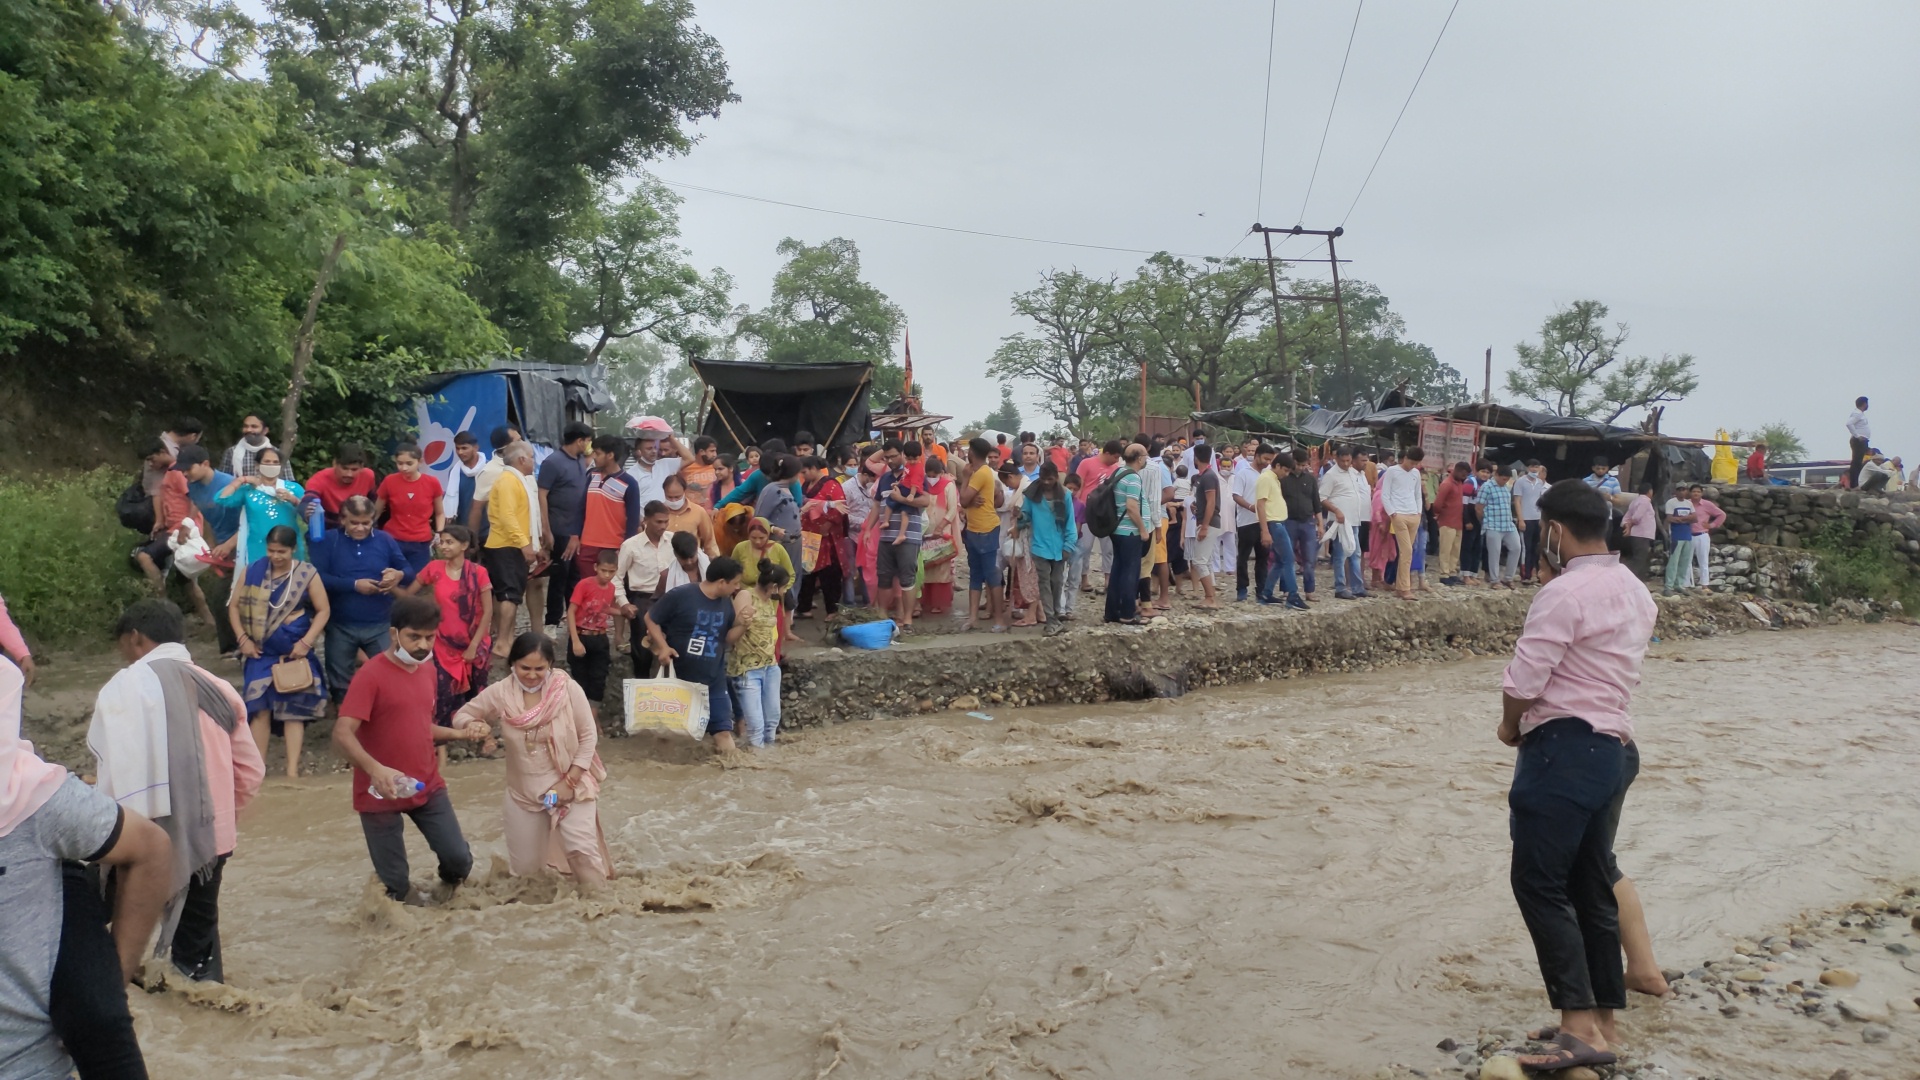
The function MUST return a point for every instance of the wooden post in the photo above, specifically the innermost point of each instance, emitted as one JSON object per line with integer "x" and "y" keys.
{"x": 1486, "y": 388}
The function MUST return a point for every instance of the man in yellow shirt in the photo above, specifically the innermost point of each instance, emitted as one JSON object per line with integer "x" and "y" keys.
{"x": 980, "y": 498}
{"x": 510, "y": 543}
{"x": 1270, "y": 502}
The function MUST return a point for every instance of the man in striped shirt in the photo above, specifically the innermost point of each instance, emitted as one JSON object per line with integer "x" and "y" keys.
{"x": 612, "y": 510}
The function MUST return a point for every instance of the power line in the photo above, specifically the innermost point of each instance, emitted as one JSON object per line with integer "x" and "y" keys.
{"x": 922, "y": 224}
{"x": 1403, "y": 111}
{"x": 1266, "y": 109}
{"x": 1358, "y": 8}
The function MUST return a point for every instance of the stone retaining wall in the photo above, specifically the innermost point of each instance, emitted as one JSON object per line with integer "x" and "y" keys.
{"x": 1095, "y": 663}
{"x": 1790, "y": 516}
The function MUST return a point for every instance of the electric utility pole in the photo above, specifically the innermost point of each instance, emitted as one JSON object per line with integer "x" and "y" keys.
{"x": 1339, "y": 308}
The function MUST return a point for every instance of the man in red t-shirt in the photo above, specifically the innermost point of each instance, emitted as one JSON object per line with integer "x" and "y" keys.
{"x": 411, "y": 500}
{"x": 1449, "y": 515}
{"x": 346, "y": 477}
{"x": 386, "y": 729}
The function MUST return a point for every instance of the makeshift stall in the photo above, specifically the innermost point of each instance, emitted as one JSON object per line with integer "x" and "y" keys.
{"x": 753, "y": 401}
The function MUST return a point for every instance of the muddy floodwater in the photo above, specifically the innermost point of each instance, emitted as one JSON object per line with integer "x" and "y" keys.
{"x": 1297, "y": 878}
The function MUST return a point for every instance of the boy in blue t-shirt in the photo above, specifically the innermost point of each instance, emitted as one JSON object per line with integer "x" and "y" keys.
{"x": 691, "y": 627}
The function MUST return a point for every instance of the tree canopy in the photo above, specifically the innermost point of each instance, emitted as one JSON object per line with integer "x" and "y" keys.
{"x": 171, "y": 188}
{"x": 1577, "y": 368}
{"x": 1204, "y": 334}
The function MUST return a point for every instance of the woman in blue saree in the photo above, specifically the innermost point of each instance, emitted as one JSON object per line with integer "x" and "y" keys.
{"x": 279, "y": 610}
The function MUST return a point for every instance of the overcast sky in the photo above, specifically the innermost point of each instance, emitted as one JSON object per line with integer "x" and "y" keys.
{"x": 1735, "y": 180}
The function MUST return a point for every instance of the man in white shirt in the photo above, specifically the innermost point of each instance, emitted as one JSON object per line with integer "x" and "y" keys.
{"x": 1859, "y": 440}
{"x": 645, "y": 559}
{"x": 1403, "y": 495}
{"x": 1345, "y": 494}
{"x": 1529, "y": 486}
{"x": 1254, "y": 459}
{"x": 1876, "y": 475}
{"x": 657, "y": 454}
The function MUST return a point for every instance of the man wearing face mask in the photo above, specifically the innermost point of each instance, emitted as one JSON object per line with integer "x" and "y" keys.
{"x": 386, "y": 730}
{"x": 360, "y": 567}
{"x": 243, "y": 458}
{"x": 1565, "y": 707}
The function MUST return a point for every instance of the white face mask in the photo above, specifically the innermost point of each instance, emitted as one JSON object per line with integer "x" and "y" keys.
{"x": 271, "y": 472}
{"x": 676, "y": 504}
{"x": 537, "y": 688}
{"x": 406, "y": 659}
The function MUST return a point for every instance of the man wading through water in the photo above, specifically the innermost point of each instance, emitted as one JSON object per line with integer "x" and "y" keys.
{"x": 1567, "y": 689}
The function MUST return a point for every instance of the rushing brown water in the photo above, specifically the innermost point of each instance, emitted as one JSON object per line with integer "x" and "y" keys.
{"x": 1304, "y": 878}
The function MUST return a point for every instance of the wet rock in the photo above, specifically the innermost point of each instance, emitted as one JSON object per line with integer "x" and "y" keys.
{"x": 1874, "y": 1033}
{"x": 1729, "y": 1009}
{"x": 1750, "y": 975}
{"x": 1898, "y": 949}
{"x": 1840, "y": 977}
{"x": 1502, "y": 1068}
{"x": 1672, "y": 975}
{"x": 1448, "y": 1045}
{"x": 1466, "y": 1057}
{"x": 964, "y": 702}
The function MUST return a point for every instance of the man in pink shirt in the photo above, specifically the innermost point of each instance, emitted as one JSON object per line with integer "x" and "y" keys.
{"x": 1706, "y": 517}
{"x": 171, "y": 742}
{"x": 1567, "y": 692}
{"x": 1638, "y": 527}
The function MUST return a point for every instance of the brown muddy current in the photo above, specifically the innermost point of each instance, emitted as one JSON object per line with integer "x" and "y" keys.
{"x": 1299, "y": 878}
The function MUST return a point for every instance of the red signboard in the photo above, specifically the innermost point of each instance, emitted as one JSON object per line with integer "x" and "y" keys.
{"x": 1447, "y": 442}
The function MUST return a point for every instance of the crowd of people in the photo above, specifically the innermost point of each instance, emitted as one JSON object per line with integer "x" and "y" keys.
{"x": 391, "y": 605}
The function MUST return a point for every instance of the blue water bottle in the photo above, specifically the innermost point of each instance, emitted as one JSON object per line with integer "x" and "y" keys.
{"x": 316, "y": 519}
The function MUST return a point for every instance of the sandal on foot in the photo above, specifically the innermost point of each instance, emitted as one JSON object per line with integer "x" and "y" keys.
{"x": 1565, "y": 1052}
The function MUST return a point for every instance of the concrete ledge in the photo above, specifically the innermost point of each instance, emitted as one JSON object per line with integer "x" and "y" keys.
{"x": 1095, "y": 663}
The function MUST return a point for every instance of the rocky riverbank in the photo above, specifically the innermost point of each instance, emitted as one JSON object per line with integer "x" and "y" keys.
{"x": 1847, "y": 977}
{"x": 1239, "y": 644}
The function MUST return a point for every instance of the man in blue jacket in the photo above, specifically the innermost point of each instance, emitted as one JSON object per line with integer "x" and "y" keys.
{"x": 361, "y": 568}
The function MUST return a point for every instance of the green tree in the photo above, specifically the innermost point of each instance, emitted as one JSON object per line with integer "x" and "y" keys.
{"x": 1783, "y": 443}
{"x": 630, "y": 278}
{"x": 1379, "y": 355}
{"x": 647, "y": 377}
{"x": 1577, "y": 368}
{"x": 503, "y": 120}
{"x": 1194, "y": 327}
{"x": 1005, "y": 417}
{"x": 1071, "y": 352}
{"x": 824, "y": 313}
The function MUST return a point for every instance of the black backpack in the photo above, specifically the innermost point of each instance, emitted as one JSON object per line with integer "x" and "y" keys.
{"x": 1103, "y": 511}
{"x": 135, "y": 508}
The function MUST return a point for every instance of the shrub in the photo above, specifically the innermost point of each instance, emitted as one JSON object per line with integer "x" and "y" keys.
{"x": 63, "y": 555}
{"x": 1858, "y": 565}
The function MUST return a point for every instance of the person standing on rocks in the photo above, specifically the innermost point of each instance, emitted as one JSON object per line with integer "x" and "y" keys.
{"x": 1859, "y": 440}
{"x": 1678, "y": 515}
{"x": 1565, "y": 707}
{"x": 1707, "y": 516}
{"x": 1638, "y": 527}
{"x": 1249, "y": 532}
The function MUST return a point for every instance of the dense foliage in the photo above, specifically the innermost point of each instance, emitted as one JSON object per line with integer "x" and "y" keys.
{"x": 172, "y": 177}
{"x": 63, "y": 556}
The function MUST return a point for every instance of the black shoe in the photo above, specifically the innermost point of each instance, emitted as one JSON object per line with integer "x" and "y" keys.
{"x": 1297, "y": 604}
{"x": 1342, "y": 594}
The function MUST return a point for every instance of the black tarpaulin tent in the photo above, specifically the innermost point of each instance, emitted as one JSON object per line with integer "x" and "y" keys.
{"x": 754, "y": 401}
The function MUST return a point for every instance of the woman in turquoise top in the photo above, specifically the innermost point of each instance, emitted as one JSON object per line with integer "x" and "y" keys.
{"x": 265, "y": 501}
{"x": 1046, "y": 520}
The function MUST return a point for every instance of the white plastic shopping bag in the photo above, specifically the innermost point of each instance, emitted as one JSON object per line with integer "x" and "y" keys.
{"x": 189, "y": 552}
{"x": 666, "y": 704}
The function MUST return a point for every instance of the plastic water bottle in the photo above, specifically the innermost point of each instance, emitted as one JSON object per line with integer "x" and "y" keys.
{"x": 316, "y": 520}
{"x": 407, "y": 783}
{"x": 550, "y": 800}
